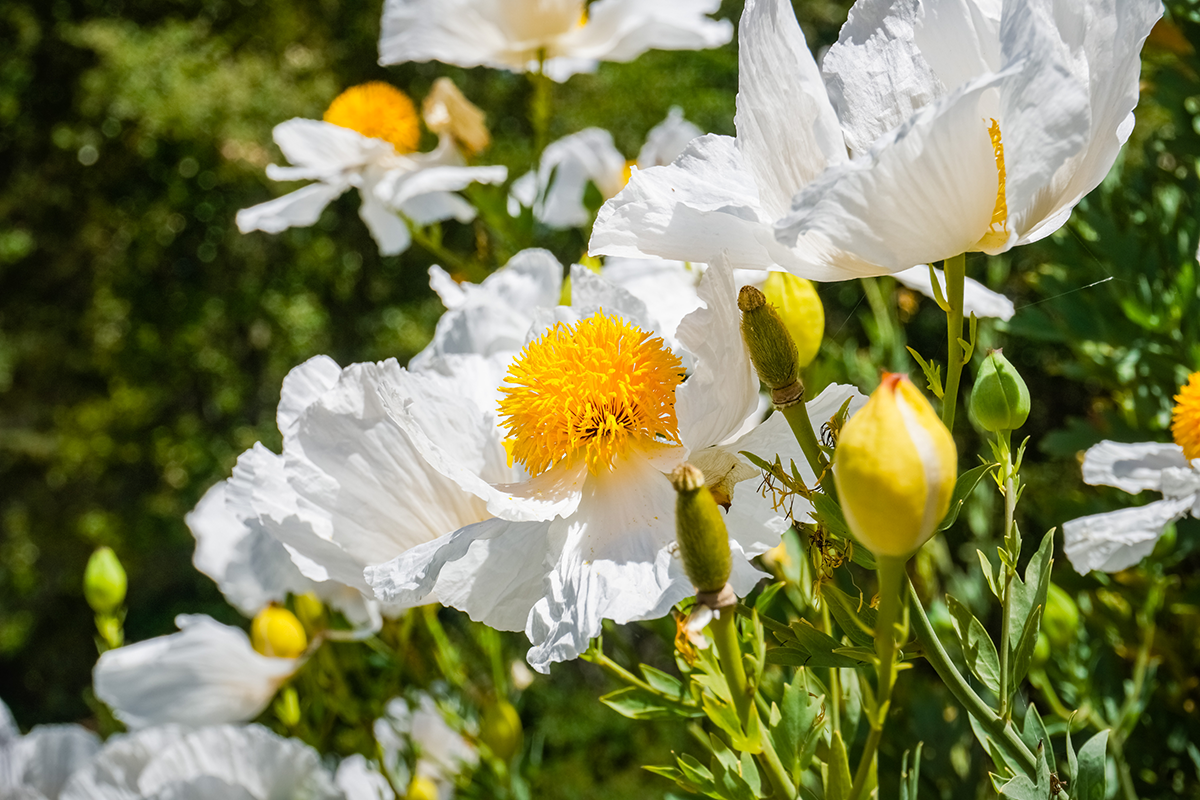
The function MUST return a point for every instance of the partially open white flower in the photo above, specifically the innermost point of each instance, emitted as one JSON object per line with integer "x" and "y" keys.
{"x": 37, "y": 765}
{"x": 366, "y": 141}
{"x": 569, "y": 35}
{"x": 724, "y": 193}
{"x": 206, "y": 674}
{"x": 224, "y": 761}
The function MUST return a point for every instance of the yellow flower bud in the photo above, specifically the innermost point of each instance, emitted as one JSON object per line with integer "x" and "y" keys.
{"x": 104, "y": 581}
{"x": 421, "y": 788}
{"x": 700, "y": 531}
{"x": 276, "y": 632}
{"x": 895, "y": 467}
{"x": 800, "y": 309}
{"x": 500, "y": 729}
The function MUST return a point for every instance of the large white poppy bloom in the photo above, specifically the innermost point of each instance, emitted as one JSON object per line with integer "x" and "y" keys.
{"x": 589, "y": 536}
{"x": 571, "y": 36}
{"x": 555, "y": 191}
{"x": 230, "y": 762}
{"x": 206, "y": 674}
{"x": 37, "y": 765}
{"x": 375, "y": 157}
{"x": 724, "y": 193}
{"x": 976, "y": 125}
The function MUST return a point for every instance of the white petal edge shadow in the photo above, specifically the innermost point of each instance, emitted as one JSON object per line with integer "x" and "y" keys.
{"x": 1132, "y": 467}
{"x": 114, "y": 772}
{"x": 1115, "y": 540}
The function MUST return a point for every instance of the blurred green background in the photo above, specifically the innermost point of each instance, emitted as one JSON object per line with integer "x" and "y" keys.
{"x": 143, "y": 340}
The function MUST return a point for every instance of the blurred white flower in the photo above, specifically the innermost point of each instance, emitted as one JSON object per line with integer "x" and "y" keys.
{"x": 224, "y": 761}
{"x": 588, "y": 535}
{"x": 438, "y": 753}
{"x": 366, "y": 142}
{"x": 556, "y": 190}
{"x": 206, "y": 674}
{"x": 37, "y": 765}
{"x": 569, "y": 35}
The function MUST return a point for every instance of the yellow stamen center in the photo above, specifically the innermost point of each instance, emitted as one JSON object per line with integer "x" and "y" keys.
{"x": 1185, "y": 419}
{"x": 997, "y": 233}
{"x": 589, "y": 390}
{"x": 378, "y": 111}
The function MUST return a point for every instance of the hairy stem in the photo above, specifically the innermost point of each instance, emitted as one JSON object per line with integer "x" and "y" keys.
{"x": 956, "y": 275}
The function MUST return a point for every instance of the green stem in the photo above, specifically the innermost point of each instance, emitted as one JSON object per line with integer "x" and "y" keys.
{"x": 448, "y": 257}
{"x": 835, "y": 679}
{"x": 1010, "y": 508}
{"x": 956, "y": 276}
{"x": 891, "y": 611}
{"x": 798, "y": 420}
{"x": 539, "y": 108}
{"x": 935, "y": 654}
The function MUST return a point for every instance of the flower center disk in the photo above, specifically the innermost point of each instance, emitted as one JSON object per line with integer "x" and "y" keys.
{"x": 589, "y": 391}
{"x": 377, "y": 111}
{"x": 1185, "y": 419}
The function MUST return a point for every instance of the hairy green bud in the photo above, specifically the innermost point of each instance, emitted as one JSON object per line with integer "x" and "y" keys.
{"x": 772, "y": 349}
{"x": 700, "y": 530}
{"x": 1000, "y": 399}
{"x": 500, "y": 729}
{"x": 104, "y": 581}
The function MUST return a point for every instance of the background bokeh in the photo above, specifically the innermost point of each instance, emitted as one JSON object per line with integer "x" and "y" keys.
{"x": 143, "y": 341}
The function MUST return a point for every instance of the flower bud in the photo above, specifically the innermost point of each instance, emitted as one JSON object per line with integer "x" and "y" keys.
{"x": 287, "y": 707}
{"x": 421, "y": 788}
{"x": 700, "y": 530}
{"x": 800, "y": 309}
{"x": 895, "y": 467}
{"x": 772, "y": 350}
{"x": 1060, "y": 620}
{"x": 1000, "y": 399}
{"x": 500, "y": 730}
{"x": 276, "y": 632}
{"x": 446, "y": 110}
{"x": 310, "y": 611}
{"x": 104, "y": 581}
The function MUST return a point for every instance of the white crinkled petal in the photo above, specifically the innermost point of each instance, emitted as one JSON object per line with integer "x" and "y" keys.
{"x": 400, "y": 188}
{"x": 41, "y": 762}
{"x": 302, "y": 387}
{"x": 359, "y": 779}
{"x": 390, "y": 232}
{"x": 299, "y": 209}
{"x": 667, "y": 140}
{"x": 206, "y": 674}
{"x": 1115, "y": 540}
{"x": 592, "y": 294}
{"x": 1132, "y": 467}
{"x": 9, "y": 731}
{"x": 567, "y": 167}
{"x": 959, "y": 38}
{"x": 114, "y": 772}
{"x": 322, "y": 150}
{"x": 250, "y": 757}
{"x": 462, "y": 32}
{"x": 977, "y": 298}
{"x": 621, "y": 30}
{"x": 667, "y": 288}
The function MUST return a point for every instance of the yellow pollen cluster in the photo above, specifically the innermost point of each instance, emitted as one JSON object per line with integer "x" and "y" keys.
{"x": 378, "y": 111}
{"x": 997, "y": 233}
{"x": 589, "y": 391}
{"x": 1185, "y": 419}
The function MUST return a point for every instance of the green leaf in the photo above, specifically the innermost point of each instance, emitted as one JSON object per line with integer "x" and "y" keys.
{"x": 1022, "y": 788}
{"x": 637, "y": 703}
{"x": 933, "y": 373}
{"x": 661, "y": 681}
{"x": 1033, "y": 731}
{"x": 1030, "y": 592}
{"x": 1024, "y": 652}
{"x": 1091, "y": 782}
{"x": 910, "y": 778}
{"x": 1004, "y": 766}
{"x": 729, "y": 781}
{"x": 963, "y": 487}
{"x": 809, "y": 647}
{"x": 799, "y": 728}
{"x": 767, "y": 595}
{"x": 853, "y": 615}
{"x": 988, "y": 573}
{"x": 725, "y": 717}
{"x": 978, "y": 649}
{"x": 837, "y": 775}
{"x": 1072, "y": 762}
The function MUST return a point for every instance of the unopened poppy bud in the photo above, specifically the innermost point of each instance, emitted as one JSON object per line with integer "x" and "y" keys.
{"x": 700, "y": 530}
{"x": 800, "y": 309}
{"x": 500, "y": 729}
{"x": 104, "y": 581}
{"x": 895, "y": 467}
{"x": 772, "y": 350}
{"x": 1060, "y": 621}
{"x": 421, "y": 788}
{"x": 1000, "y": 399}
{"x": 276, "y": 632}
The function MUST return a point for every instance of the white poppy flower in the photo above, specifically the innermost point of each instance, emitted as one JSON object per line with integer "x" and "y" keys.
{"x": 441, "y": 751}
{"x": 569, "y": 35}
{"x": 589, "y": 536}
{"x": 230, "y": 762}
{"x": 723, "y": 194}
{"x": 556, "y": 190}
{"x": 206, "y": 674}
{"x": 1118, "y": 539}
{"x": 976, "y": 126}
{"x": 37, "y": 765}
{"x": 366, "y": 142}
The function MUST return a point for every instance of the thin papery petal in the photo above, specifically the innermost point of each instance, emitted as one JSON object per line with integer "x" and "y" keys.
{"x": 436, "y": 30}
{"x": 1116, "y": 540}
{"x": 41, "y": 762}
{"x": 399, "y": 188}
{"x": 959, "y": 38}
{"x": 723, "y": 390}
{"x": 567, "y": 167}
{"x": 302, "y": 387}
{"x": 592, "y": 294}
{"x": 250, "y": 757}
{"x": 388, "y": 230}
{"x": 667, "y": 288}
{"x": 325, "y": 149}
{"x": 1132, "y": 467}
{"x": 359, "y": 779}
{"x": 426, "y": 209}
{"x": 114, "y": 772}
{"x": 206, "y": 674}
{"x": 298, "y": 209}
{"x": 667, "y": 140}
{"x": 621, "y": 30}
{"x": 977, "y": 298}
{"x": 786, "y": 127}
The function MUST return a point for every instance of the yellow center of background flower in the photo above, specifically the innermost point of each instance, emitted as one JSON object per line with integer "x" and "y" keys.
{"x": 997, "y": 233}
{"x": 589, "y": 391}
{"x": 378, "y": 111}
{"x": 1185, "y": 419}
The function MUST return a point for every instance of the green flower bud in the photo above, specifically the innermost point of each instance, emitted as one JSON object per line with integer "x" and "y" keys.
{"x": 1000, "y": 399}
{"x": 1060, "y": 620}
{"x": 287, "y": 707}
{"x": 104, "y": 581}
{"x": 772, "y": 350}
{"x": 800, "y": 309}
{"x": 500, "y": 729}
{"x": 700, "y": 530}
{"x": 1041, "y": 650}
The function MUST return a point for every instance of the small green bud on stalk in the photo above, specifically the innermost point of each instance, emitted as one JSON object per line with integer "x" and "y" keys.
{"x": 1000, "y": 399}
{"x": 104, "y": 581}
{"x": 287, "y": 707}
{"x": 500, "y": 729}
{"x": 700, "y": 530}
{"x": 772, "y": 350}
